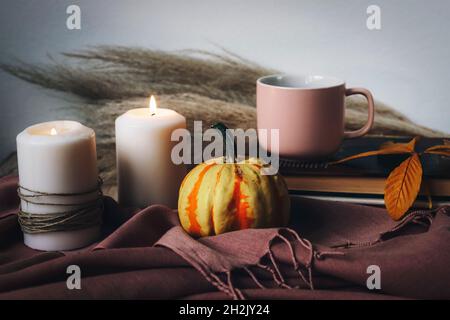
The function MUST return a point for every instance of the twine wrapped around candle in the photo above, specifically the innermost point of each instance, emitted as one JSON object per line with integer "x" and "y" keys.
{"x": 87, "y": 214}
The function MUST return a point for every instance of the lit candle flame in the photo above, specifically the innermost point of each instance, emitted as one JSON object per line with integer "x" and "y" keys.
{"x": 53, "y": 132}
{"x": 152, "y": 105}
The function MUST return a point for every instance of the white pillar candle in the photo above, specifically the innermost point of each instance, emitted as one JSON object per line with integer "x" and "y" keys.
{"x": 146, "y": 174}
{"x": 58, "y": 157}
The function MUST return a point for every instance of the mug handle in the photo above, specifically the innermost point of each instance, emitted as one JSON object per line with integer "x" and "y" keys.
{"x": 360, "y": 132}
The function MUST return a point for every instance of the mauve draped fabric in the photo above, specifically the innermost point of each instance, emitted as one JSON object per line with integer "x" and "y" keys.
{"x": 146, "y": 255}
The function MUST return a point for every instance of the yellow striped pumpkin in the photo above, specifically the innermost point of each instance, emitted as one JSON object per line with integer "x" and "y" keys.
{"x": 216, "y": 197}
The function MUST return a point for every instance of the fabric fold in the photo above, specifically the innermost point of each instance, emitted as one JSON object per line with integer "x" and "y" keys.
{"x": 324, "y": 254}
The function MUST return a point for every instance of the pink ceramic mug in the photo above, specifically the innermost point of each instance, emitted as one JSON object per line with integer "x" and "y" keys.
{"x": 309, "y": 113}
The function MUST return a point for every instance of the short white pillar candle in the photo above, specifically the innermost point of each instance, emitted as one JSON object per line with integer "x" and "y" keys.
{"x": 58, "y": 157}
{"x": 146, "y": 173}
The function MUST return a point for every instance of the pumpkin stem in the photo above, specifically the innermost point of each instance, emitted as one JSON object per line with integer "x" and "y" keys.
{"x": 229, "y": 146}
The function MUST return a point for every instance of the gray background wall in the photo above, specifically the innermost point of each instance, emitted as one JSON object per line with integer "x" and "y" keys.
{"x": 405, "y": 64}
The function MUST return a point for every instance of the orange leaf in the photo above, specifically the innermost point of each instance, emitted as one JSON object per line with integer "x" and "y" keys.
{"x": 387, "y": 148}
{"x": 442, "y": 147}
{"x": 402, "y": 186}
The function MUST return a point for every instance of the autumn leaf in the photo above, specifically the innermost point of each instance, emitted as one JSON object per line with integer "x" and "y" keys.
{"x": 387, "y": 148}
{"x": 403, "y": 183}
{"x": 402, "y": 186}
{"x": 443, "y": 149}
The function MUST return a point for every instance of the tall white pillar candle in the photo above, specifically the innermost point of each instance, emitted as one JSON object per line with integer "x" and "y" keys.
{"x": 58, "y": 157}
{"x": 145, "y": 171}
